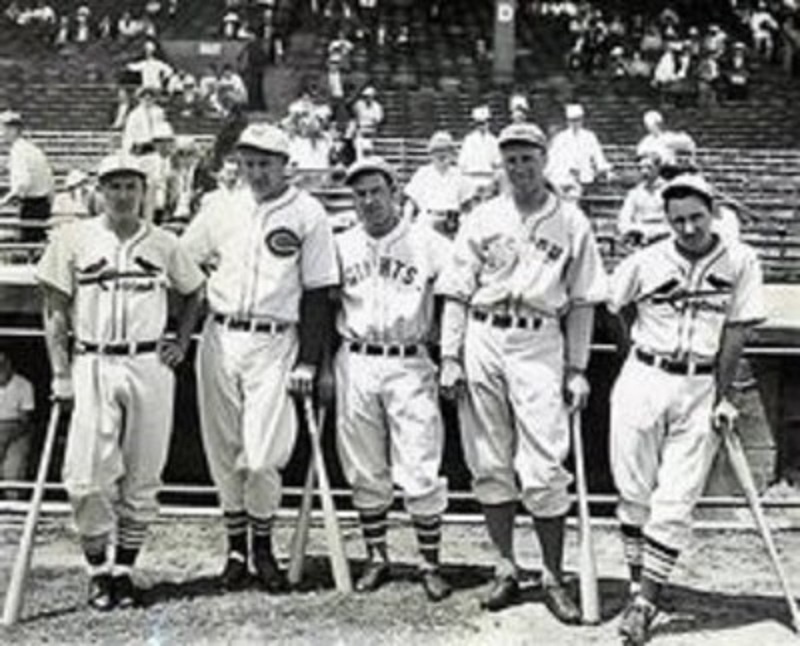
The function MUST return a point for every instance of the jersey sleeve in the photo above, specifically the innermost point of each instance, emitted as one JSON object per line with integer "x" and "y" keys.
{"x": 587, "y": 281}
{"x": 625, "y": 284}
{"x": 196, "y": 239}
{"x": 459, "y": 278}
{"x": 184, "y": 273}
{"x": 439, "y": 250}
{"x": 747, "y": 306}
{"x": 318, "y": 264}
{"x": 56, "y": 268}
{"x": 26, "y": 403}
{"x": 413, "y": 189}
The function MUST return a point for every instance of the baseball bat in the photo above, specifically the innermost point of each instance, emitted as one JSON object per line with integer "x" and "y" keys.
{"x": 587, "y": 565}
{"x": 15, "y": 594}
{"x": 301, "y": 529}
{"x": 745, "y": 477}
{"x": 339, "y": 564}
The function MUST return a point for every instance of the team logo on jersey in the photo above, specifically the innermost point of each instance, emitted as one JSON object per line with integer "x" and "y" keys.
{"x": 676, "y": 296}
{"x": 283, "y": 242}
{"x": 500, "y": 252}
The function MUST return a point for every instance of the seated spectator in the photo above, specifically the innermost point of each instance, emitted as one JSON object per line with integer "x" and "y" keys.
{"x": 230, "y": 25}
{"x": 618, "y": 66}
{"x": 74, "y": 200}
{"x": 764, "y": 28}
{"x": 638, "y": 68}
{"x": 652, "y": 43}
{"x": 736, "y": 78}
{"x": 343, "y": 47}
{"x": 519, "y": 108}
{"x": 208, "y": 84}
{"x": 155, "y": 73}
{"x": 654, "y": 143}
{"x": 129, "y": 27}
{"x": 671, "y": 74}
{"x": 310, "y": 151}
{"x": 708, "y": 80}
{"x": 231, "y": 92}
{"x": 16, "y": 413}
{"x": 368, "y": 114}
{"x": 715, "y": 41}
{"x": 437, "y": 190}
{"x": 479, "y": 158}
{"x": 82, "y": 24}
{"x": 575, "y": 154}
{"x": 642, "y": 219}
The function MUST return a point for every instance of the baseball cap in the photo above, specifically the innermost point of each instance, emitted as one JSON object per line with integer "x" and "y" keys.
{"x": 652, "y": 117}
{"x": 528, "y": 133}
{"x": 75, "y": 178}
{"x": 9, "y": 117}
{"x": 481, "y": 113}
{"x": 118, "y": 164}
{"x": 688, "y": 182}
{"x": 370, "y": 164}
{"x": 518, "y": 102}
{"x": 369, "y": 91}
{"x": 441, "y": 140}
{"x": 266, "y": 138}
{"x": 574, "y": 111}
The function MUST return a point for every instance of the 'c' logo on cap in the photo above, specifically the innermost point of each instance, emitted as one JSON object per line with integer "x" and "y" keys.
{"x": 283, "y": 242}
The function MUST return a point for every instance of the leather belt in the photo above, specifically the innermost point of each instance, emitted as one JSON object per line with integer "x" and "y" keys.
{"x": 117, "y": 349}
{"x": 506, "y": 321}
{"x": 384, "y": 350}
{"x": 250, "y": 325}
{"x": 673, "y": 366}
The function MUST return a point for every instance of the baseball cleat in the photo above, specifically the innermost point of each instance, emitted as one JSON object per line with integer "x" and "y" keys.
{"x": 101, "y": 592}
{"x": 504, "y": 591}
{"x": 374, "y": 576}
{"x": 125, "y": 593}
{"x": 235, "y": 575}
{"x": 637, "y": 618}
{"x": 561, "y": 604}
{"x": 436, "y": 587}
{"x": 268, "y": 574}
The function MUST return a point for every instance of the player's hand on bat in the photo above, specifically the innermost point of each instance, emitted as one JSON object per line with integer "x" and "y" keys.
{"x": 62, "y": 391}
{"x": 451, "y": 378}
{"x": 576, "y": 390}
{"x": 326, "y": 386}
{"x": 171, "y": 352}
{"x": 724, "y": 416}
{"x": 301, "y": 379}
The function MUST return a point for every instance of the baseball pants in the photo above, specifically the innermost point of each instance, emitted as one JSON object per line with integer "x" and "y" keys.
{"x": 248, "y": 418}
{"x": 118, "y": 439}
{"x": 390, "y": 431}
{"x": 514, "y": 421}
{"x": 662, "y": 447}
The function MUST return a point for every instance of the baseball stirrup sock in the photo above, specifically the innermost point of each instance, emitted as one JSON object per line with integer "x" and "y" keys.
{"x": 374, "y": 526}
{"x": 130, "y": 538}
{"x": 94, "y": 549}
{"x": 236, "y": 531}
{"x": 261, "y": 531}
{"x": 658, "y": 560}
{"x": 429, "y": 537}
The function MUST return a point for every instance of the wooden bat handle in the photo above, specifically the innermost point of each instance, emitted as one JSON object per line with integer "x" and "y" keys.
{"x": 19, "y": 574}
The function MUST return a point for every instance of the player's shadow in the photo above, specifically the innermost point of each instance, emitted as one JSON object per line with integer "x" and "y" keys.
{"x": 688, "y": 610}
{"x": 164, "y": 591}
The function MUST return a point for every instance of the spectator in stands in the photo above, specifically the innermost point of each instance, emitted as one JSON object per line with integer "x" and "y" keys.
{"x": 368, "y": 113}
{"x": 618, "y": 66}
{"x": 74, "y": 200}
{"x": 672, "y": 72}
{"x": 736, "y": 77}
{"x": 160, "y": 190}
{"x": 155, "y": 72}
{"x": 141, "y": 123}
{"x": 30, "y": 177}
{"x": 437, "y": 190}
{"x": 694, "y": 43}
{"x": 231, "y": 93}
{"x": 187, "y": 182}
{"x": 208, "y": 84}
{"x": 342, "y": 47}
{"x": 575, "y": 157}
{"x": 310, "y": 149}
{"x": 519, "y": 108}
{"x": 253, "y": 61}
{"x": 82, "y": 24}
{"x": 62, "y": 35}
{"x": 652, "y": 43}
{"x": 638, "y": 67}
{"x": 708, "y": 80}
{"x": 129, "y": 27}
{"x": 479, "y": 158}
{"x": 715, "y": 41}
{"x": 655, "y": 141}
{"x": 16, "y": 430}
{"x": 105, "y": 27}
{"x": 642, "y": 218}
{"x": 230, "y": 24}
{"x": 227, "y": 178}
{"x": 336, "y": 89}
{"x": 764, "y": 27}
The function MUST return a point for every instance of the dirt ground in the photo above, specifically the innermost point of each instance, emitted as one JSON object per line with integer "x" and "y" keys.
{"x": 723, "y": 593}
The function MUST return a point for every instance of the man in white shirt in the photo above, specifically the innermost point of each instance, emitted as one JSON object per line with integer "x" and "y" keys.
{"x": 479, "y": 157}
{"x": 642, "y": 219}
{"x": 575, "y": 155}
{"x": 155, "y": 73}
{"x": 142, "y": 123}
{"x": 369, "y": 117}
{"x": 16, "y": 408}
{"x": 31, "y": 178}
{"x": 437, "y": 190}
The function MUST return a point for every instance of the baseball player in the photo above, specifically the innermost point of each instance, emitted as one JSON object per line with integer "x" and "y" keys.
{"x": 437, "y": 191}
{"x": 518, "y": 319}
{"x": 479, "y": 157}
{"x": 389, "y": 426}
{"x": 105, "y": 280}
{"x": 275, "y": 260}
{"x": 641, "y": 219}
{"x": 687, "y": 304}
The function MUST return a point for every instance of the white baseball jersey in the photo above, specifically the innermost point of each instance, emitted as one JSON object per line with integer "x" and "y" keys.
{"x": 388, "y": 283}
{"x": 682, "y": 305}
{"x": 267, "y": 253}
{"x": 643, "y": 210}
{"x": 434, "y": 191}
{"x": 575, "y": 152}
{"x": 479, "y": 154}
{"x": 543, "y": 263}
{"x": 118, "y": 287}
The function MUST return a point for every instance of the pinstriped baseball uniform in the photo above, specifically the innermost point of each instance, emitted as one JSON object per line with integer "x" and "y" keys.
{"x": 662, "y": 443}
{"x": 265, "y": 256}
{"x": 387, "y": 406}
{"x": 121, "y": 424}
{"x": 530, "y": 269}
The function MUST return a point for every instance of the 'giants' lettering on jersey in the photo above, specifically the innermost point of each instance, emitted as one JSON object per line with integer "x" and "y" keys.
{"x": 386, "y": 267}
